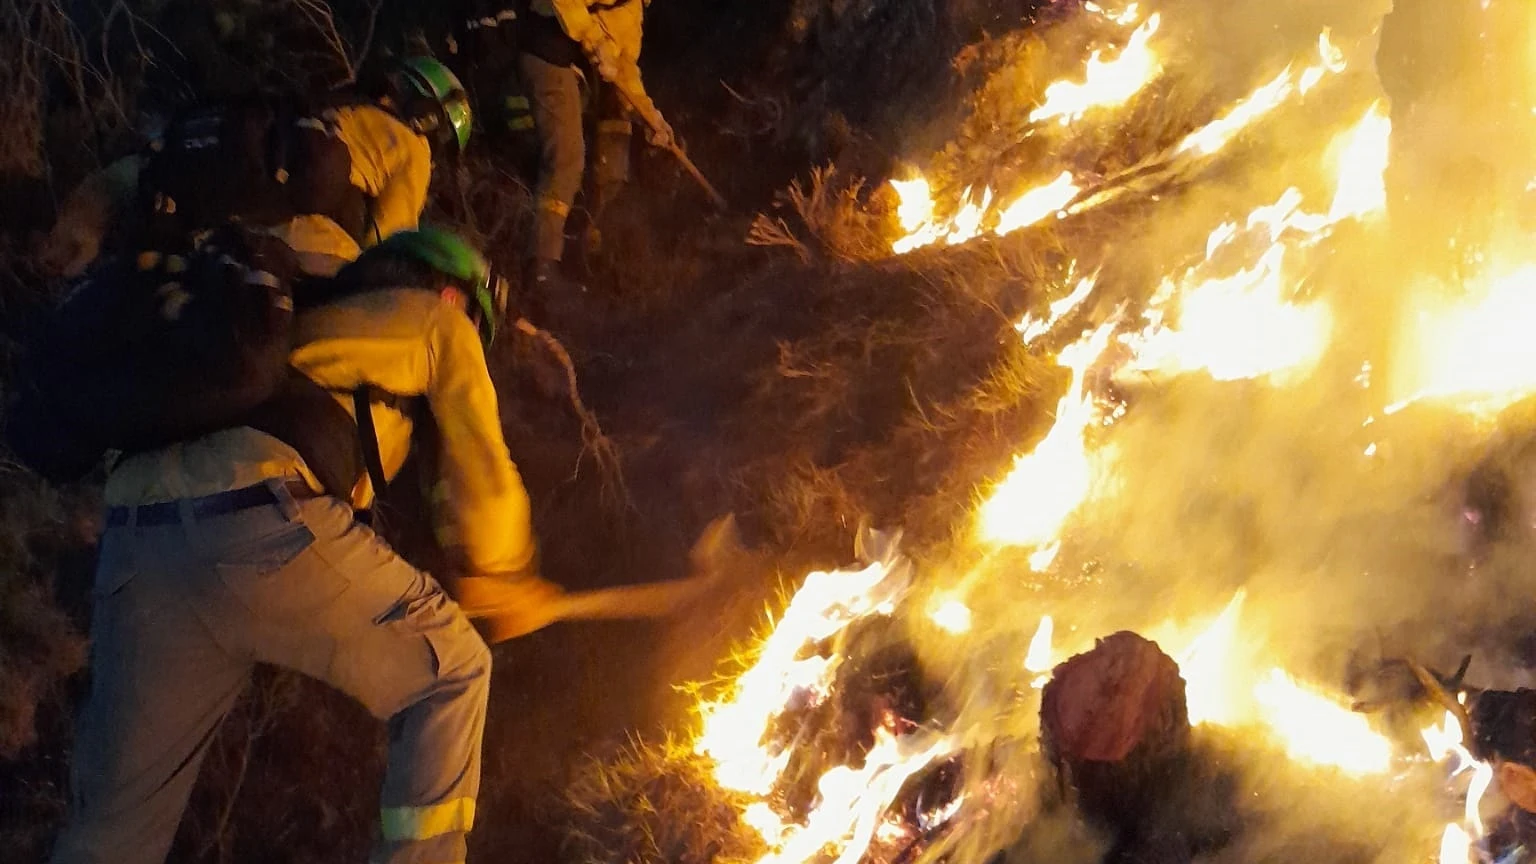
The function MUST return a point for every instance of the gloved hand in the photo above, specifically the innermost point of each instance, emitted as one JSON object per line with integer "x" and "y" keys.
{"x": 504, "y": 606}
{"x": 660, "y": 132}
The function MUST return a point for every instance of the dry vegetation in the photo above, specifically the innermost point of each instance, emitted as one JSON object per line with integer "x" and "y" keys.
{"x": 654, "y": 803}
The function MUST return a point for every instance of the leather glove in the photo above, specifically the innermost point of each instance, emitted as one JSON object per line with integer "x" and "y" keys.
{"x": 505, "y": 606}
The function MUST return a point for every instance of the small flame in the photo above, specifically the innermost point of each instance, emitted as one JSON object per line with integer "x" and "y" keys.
{"x": 952, "y": 616}
{"x": 915, "y": 213}
{"x": 1039, "y": 657}
{"x": 916, "y": 203}
{"x": 1332, "y": 61}
{"x": 1046, "y": 486}
{"x": 1036, "y": 204}
{"x": 1362, "y": 188}
{"x": 1242, "y": 325}
{"x": 1213, "y": 136}
{"x": 1455, "y": 845}
{"x": 852, "y": 801}
{"x": 1473, "y": 352}
{"x": 1446, "y": 741}
{"x": 1031, "y": 329}
{"x": 1207, "y": 669}
{"x": 1124, "y": 17}
{"x": 734, "y": 728}
{"x": 1105, "y": 82}
{"x": 966, "y": 224}
{"x": 1316, "y": 729}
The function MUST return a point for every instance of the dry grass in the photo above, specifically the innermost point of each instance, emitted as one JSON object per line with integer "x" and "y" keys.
{"x": 654, "y": 804}
{"x": 833, "y": 213}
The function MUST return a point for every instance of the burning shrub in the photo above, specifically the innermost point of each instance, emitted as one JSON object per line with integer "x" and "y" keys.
{"x": 655, "y": 804}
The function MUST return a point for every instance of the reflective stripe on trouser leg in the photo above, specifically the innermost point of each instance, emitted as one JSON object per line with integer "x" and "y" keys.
{"x": 425, "y": 835}
{"x": 549, "y": 229}
{"x": 424, "y": 823}
{"x": 518, "y": 112}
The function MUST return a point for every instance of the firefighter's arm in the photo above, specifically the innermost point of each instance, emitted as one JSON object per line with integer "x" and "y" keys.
{"x": 633, "y": 90}
{"x": 483, "y": 497}
{"x": 623, "y": 26}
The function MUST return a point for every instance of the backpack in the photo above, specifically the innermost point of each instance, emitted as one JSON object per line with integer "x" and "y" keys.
{"x": 262, "y": 159}
{"x": 167, "y": 346}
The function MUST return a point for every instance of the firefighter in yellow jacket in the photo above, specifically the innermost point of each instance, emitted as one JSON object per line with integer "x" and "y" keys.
{"x": 421, "y": 110}
{"x": 556, "y": 39}
{"x": 225, "y": 551}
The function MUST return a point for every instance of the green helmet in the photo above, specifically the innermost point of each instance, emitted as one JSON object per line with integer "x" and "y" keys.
{"x": 427, "y": 79}
{"x": 449, "y": 254}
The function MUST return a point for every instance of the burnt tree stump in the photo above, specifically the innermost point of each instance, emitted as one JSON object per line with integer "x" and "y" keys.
{"x": 1115, "y": 726}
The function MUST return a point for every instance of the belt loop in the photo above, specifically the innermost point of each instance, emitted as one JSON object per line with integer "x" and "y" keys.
{"x": 184, "y": 511}
{"x": 132, "y": 519}
{"x": 285, "y": 502}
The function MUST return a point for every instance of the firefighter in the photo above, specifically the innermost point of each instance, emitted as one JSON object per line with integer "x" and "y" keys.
{"x": 419, "y": 111}
{"x": 223, "y": 551}
{"x": 416, "y": 111}
{"x": 559, "y": 40}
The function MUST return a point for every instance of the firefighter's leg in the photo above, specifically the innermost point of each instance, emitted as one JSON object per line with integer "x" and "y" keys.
{"x": 556, "y": 95}
{"x": 160, "y": 684}
{"x": 348, "y": 611}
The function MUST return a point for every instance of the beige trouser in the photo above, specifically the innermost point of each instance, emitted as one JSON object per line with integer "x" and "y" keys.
{"x": 191, "y": 594}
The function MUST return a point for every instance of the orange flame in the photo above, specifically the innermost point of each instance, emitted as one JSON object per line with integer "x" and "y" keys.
{"x": 1105, "y": 82}
{"x": 1037, "y": 204}
{"x": 1445, "y": 742}
{"x": 1031, "y": 329}
{"x": 1047, "y": 485}
{"x": 734, "y": 728}
{"x": 1473, "y": 352}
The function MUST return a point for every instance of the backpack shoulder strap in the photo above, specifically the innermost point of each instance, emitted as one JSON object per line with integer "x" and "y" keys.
{"x": 362, "y": 405}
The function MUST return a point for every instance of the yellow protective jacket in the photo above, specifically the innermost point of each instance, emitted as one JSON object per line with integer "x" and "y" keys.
{"x": 622, "y": 26}
{"x": 411, "y": 343}
{"x": 391, "y": 163}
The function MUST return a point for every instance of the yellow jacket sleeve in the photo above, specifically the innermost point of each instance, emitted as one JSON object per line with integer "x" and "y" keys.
{"x": 390, "y": 163}
{"x": 485, "y": 500}
{"x": 624, "y": 26}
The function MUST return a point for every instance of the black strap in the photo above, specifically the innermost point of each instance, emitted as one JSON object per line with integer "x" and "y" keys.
{"x": 362, "y": 404}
